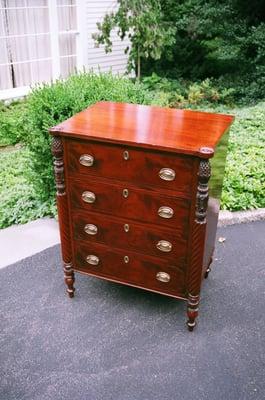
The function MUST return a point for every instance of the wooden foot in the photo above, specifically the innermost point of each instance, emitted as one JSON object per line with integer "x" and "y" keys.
{"x": 208, "y": 270}
{"x": 69, "y": 279}
{"x": 207, "y": 273}
{"x": 192, "y": 311}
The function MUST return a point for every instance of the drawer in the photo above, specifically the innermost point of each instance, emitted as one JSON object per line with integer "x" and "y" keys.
{"x": 127, "y": 234}
{"x": 129, "y": 202}
{"x": 138, "y": 166}
{"x": 129, "y": 267}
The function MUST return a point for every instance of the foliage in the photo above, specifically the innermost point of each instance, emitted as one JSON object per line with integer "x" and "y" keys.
{"x": 142, "y": 22}
{"x": 218, "y": 39}
{"x": 181, "y": 93}
{"x": 19, "y": 200}
{"x": 244, "y": 183}
{"x": 26, "y": 177}
{"x": 12, "y": 122}
{"x": 50, "y": 104}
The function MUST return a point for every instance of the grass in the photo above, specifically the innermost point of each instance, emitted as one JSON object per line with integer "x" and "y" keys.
{"x": 244, "y": 183}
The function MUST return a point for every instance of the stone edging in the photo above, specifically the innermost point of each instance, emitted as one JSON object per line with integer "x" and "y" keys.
{"x": 239, "y": 217}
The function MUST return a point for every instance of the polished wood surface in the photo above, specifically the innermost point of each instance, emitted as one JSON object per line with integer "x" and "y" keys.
{"x": 126, "y": 234}
{"x": 120, "y": 218}
{"x": 180, "y": 131}
{"x": 140, "y": 205}
{"x": 130, "y": 164}
{"x": 139, "y": 269}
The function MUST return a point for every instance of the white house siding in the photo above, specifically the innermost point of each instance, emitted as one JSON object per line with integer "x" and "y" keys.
{"x": 96, "y": 57}
{"x": 29, "y": 31}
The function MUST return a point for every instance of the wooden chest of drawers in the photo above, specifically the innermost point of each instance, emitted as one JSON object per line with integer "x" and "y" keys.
{"x": 135, "y": 200}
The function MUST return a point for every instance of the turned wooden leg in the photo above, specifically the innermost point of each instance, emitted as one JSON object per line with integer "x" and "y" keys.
{"x": 69, "y": 279}
{"x": 208, "y": 270}
{"x": 192, "y": 311}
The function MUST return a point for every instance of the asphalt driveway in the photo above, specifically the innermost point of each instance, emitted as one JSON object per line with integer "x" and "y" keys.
{"x": 120, "y": 343}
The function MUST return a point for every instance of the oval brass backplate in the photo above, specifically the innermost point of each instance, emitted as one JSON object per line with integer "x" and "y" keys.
{"x": 88, "y": 197}
{"x": 165, "y": 212}
{"x": 91, "y": 229}
{"x": 163, "y": 277}
{"x": 92, "y": 259}
{"x": 126, "y": 227}
{"x": 167, "y": 174}
{"x": 164, "y": 245}
{"x": 87, "y": 160}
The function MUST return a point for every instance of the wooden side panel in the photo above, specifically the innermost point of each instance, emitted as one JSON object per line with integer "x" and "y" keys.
{"x": 215, "y": 191}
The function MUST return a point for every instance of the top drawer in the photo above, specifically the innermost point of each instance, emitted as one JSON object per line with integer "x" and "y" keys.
{"x": 139, "y": 166}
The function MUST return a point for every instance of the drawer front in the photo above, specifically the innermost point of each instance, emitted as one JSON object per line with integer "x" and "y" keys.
{"x": 129, "y": 202}
{"x": 126, "y": 234}
{"x": 138, "y": 166}
{"x": 129, "y": 267}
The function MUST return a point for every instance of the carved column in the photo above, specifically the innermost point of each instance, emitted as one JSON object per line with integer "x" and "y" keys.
{"x": 62, "y": 206}
{"x": 197, "y": 242}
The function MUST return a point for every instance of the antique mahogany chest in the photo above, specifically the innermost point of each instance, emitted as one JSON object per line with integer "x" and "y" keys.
{"x": 138, "y": 197}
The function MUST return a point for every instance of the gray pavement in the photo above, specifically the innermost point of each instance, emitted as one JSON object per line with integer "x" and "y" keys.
{"x": 116, "y": 342}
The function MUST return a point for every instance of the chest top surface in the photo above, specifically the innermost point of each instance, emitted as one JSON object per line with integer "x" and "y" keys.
{"x": 181, "y": 131}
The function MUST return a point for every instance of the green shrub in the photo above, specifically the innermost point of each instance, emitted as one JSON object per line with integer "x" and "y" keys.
{"x": 50, "y": 104}
{"x": 244, "y": 183}
{"x": 13, "y": 122}
{"x": 19, "y": 200}
{"x": 181, "y": 93}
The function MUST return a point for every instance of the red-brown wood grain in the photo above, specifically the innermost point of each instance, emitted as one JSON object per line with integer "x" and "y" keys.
{"x": 180, "y": 131}
{"x": 141, "y": 205}
{"x": 129, "y": 192}
{"x": 127, "y": 234}
{"x": 141, "y": 168}
{"x": 140, "y": 270}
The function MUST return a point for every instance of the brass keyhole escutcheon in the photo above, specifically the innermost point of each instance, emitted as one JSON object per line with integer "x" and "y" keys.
{"x": 126, "y": 259}
{"x": 126, "y": 227}
{"x": 125, "y": 193}
{"x": 126, "y": 155}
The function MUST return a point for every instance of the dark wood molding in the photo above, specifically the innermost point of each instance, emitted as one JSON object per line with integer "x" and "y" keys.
{"x": 62, "y": 205}
{"x": 197, "y": 242}
{"x": 202, "y": 195}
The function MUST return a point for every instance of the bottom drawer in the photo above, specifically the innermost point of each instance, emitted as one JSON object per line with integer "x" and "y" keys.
{"x": 130, "y": 268}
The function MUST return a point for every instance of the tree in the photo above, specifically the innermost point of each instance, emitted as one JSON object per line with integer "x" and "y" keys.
{"x": 143, "y": 23}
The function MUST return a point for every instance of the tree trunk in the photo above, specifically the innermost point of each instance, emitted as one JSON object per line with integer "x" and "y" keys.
{"x": 138, "y": 65}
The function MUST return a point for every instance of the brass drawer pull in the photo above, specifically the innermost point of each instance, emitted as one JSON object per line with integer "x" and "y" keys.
{"x": 167, "y": 174}
{"x": 163, "y": 277}
{"x": 126, "y": 155}
{"x": 87, "y": 160}
{"x": 125, "y": 193}
{"x": 165, "y": 212}
{"x": 91, "y": 229}
{"x": 88, "y": 197}
{"x": 92, "y": 260}
{"x": 164, "y": 245}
